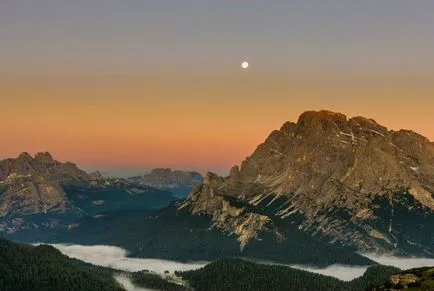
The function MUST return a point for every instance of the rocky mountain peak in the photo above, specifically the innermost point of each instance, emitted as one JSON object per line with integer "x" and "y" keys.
{"x": 235, "y": 174}
{"x": 288, "y": 127}
{"x": 322, "y": 115}
{"x": 212, "y": 179}
{"x": 44, "y": 158}
{"x": 25, "y": 156}
{"x": 326, "y": 163}
{"x": 323, "y": 120}
{"x": 34, "y": 185}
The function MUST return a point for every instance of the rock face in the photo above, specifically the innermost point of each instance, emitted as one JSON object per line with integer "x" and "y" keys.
{"x": 413, "y": 279}
{"x": 403, "y": 279}
{"x": 39, "y": 192}
{"x": 34, "y": 185}
{"x": 351, "y": 182}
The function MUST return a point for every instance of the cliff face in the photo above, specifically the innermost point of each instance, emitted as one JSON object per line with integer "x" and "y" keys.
{"x": 39, "y": 192}
{"x": 351, "y": 182}
{"x": 34, "y": 185}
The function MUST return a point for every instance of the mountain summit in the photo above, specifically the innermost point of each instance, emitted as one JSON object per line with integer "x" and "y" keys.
{"x": 34, "y": 184}
{"x": 351, "y": 182}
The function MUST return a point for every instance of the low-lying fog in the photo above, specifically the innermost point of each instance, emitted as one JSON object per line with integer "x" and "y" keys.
{"x": 115, "y": 257}
{"x": 126, "y": 283}
{"x": 400, "y": 262}
{"x": 342, "y": 272}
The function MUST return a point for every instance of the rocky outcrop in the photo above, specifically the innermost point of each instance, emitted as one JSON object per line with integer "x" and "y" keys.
{"x": 34, "y": 185}
{"x": 350, "y": 181}
{"x": 96, "y": 176}
{"x": 225, "y": 216}
{"x": 403, "y": 279}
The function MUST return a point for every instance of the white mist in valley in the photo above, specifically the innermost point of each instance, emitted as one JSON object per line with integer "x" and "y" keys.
{"x": 126, "y": 283}
{"x": 116, "y": 258}
{"x": 348, "y": 273}
{"x": 342, "y": 272}
{"x": 403, "y": 263}
{"x": 339, "y": 271}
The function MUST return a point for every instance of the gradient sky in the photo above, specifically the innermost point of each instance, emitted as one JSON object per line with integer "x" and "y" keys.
{"x": 131, "y": 85}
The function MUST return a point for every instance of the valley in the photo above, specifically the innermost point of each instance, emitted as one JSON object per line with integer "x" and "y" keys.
{"x": 310, "y": 197}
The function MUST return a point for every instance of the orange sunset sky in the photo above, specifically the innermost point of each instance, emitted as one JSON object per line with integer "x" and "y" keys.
{"x": 132, "y": 92}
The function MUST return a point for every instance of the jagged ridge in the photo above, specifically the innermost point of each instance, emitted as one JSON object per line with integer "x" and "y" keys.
{"x": 351, "y": 181}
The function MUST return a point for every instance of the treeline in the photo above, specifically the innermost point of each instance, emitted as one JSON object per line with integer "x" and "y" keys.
{"x": 423, "y": 281}
{"x": 235, "y": 274}
{"x": 178, "y": 235}
{"x": 153, "y": 281}
{"x": 24, "y": 267}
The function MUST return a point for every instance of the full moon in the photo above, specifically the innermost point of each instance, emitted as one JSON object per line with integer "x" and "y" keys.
{"x": 244, "y": 65}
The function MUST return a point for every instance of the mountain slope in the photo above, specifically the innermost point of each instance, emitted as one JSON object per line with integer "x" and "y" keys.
{"x": 351, "y": 182}
{"x": 40, "y": 193}
{"x": 177, "y": 235}
{"x": 34, "y": 185}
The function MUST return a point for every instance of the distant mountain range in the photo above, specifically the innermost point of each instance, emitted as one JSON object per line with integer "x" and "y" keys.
{"x": 39, "y": 193}
{"x": 180, "y": 183}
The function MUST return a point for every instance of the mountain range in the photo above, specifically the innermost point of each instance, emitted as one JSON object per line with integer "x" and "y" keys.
{"x": 178, "y": 182}
{"x": 39, "y": 192}
{"x": 316, "y": 191}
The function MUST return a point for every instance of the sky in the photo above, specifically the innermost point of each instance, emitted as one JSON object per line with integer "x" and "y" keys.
{"x": 131, "y": 85}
